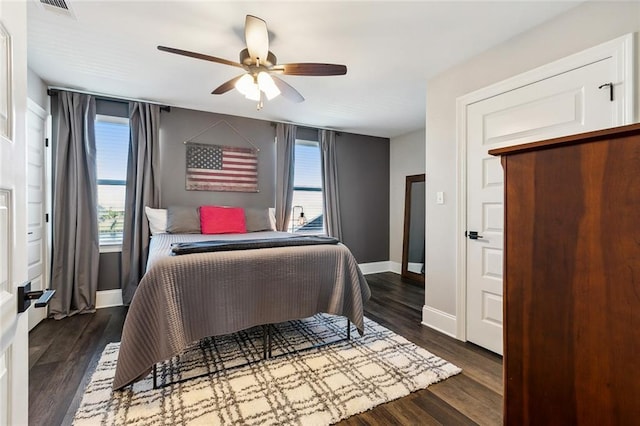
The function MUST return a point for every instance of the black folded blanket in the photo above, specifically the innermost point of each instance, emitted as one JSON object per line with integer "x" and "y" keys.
{"x": 228, "y": 245}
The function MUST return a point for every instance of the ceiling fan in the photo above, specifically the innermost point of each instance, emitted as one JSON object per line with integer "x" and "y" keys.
{"x": 260, "y": 65}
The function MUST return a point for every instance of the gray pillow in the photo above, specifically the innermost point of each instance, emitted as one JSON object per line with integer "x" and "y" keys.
{"x": 183, "y": 220}
{"x": 257, "y": 220}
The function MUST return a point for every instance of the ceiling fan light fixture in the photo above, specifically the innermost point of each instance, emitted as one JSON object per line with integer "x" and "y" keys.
{"x": 259, "y": 63}
{"x": 253, "y": 95}
{"x": 248, "y": 87}
{"x": 267, "y": 85}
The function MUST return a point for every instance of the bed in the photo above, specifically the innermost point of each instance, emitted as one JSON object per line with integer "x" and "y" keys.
{"x": 182, "y": 299}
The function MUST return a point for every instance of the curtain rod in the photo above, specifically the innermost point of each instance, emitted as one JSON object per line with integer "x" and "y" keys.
{"x": 306, "y": 126}
{"x": 52, "y": 90}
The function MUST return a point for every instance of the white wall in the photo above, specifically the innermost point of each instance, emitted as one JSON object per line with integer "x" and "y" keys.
{"x": 406, "y": 157}
{"x": 580, "y": 28}
{"x": 37, "y": 90}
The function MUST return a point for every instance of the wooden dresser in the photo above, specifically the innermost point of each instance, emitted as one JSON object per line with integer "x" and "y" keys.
{"x": 572, "y": 280}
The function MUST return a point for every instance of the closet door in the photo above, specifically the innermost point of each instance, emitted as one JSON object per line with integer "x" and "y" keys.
{"x": 575, "y": 101}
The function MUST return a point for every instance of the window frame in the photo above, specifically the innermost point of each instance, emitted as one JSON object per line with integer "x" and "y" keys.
{"x": 291, "y": 225}
{"x": 111, "y": 246}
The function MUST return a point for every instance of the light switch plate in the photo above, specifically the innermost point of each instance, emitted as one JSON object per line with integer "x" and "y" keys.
{"x": 439, "y": 197}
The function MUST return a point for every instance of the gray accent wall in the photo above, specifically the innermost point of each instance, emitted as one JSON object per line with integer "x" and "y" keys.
{"x": 181, "y": 124}
{"x": 363, "y": 181}
{"x": 363, "y": 172}
{"x": 109, "y": 271}
{"x": 113, "y": 108}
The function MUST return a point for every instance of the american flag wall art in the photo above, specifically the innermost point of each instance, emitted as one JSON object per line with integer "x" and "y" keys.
{"x": 221, "y": 168}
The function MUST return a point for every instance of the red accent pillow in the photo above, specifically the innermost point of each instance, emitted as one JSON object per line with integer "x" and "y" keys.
{"x": 222, "y": 220}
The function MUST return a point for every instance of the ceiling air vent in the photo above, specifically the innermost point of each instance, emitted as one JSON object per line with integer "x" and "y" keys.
{"x": 61, "y": 7}
{"x": 56, "y": 3}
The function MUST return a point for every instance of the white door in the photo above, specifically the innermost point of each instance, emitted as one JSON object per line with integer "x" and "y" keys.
{"x": 37, "y": 241}
{"x": 14, "y": 347}
{"x": 567, "y": 103}
{"x": 7, "y": 310}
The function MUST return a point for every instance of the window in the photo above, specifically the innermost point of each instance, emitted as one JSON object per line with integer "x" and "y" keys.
{"x": 112, "y": 152}
{"x": 307, "y": 210}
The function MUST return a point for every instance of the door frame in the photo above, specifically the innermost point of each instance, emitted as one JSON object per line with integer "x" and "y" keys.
{"x": 622, "y": 49}
{"x": 34, "y": 107}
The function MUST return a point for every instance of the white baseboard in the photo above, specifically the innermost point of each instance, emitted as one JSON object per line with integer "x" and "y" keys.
{"x": 414, "y": 267}
{"x": 438, "y": 320}
{"x": 108, "y": 298}
{"x": 375, "y": 267}
{"x": 395, "y": 267}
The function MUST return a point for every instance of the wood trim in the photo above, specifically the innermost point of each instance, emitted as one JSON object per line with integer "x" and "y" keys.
{"x": 623, "y": 131}
{"x": 405, "y": 273}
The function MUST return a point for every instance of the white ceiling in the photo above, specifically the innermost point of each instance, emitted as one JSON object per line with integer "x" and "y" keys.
{"x": 391, "y": 49}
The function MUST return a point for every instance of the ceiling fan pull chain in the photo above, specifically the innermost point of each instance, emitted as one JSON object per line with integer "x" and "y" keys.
{"x": 261, "y": 101}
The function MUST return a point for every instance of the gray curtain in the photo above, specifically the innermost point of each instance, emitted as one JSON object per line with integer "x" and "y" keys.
{"x": 285, "y": 160}
{"x": 330, "y": 192}
{"x": 76, "y": 247}
{"x": 142, "y": 190}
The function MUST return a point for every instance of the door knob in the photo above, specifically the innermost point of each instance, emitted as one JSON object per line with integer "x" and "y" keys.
{"x": 473, "y": 235}
{"x": 25, "y": 296}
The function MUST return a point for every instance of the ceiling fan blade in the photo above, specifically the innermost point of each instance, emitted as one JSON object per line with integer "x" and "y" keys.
{"x": 199, "y": 56}
{"x": 226, "y": 86}
{"x": 287, "y": 90}
{"x": 257, "y": 37}
{"x": 311, "y": 69}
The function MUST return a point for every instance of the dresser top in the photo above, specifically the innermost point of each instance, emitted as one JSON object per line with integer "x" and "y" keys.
{"x": 615, "y": 132}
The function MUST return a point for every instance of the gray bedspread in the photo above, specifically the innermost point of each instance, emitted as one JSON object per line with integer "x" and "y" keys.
{"x": 182, "y": 299}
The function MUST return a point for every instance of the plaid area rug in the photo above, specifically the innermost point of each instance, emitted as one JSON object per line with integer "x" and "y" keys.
{"x": 313, "y": 387}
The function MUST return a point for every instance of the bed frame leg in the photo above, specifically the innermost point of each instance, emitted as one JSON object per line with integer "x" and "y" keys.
{"x": 267, "y": 348}
{"x": 264, "y": 342}
{"x": 155, "y": 376}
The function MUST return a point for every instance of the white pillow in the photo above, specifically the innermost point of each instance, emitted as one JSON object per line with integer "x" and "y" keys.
{"x": 272, "y": 218}
{"x": 157, "y": 220}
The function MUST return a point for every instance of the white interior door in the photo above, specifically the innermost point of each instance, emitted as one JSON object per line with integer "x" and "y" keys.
{"x": 567, "y": 103}
{"x": 7, "y": 301}
{"x": 37, "y": 246}
{"x": 14, "y": 353}
{"x": 14, "y": 347}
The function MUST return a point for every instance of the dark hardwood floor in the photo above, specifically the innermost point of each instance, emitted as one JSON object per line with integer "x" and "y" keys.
{"x": 62, "y": 355}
